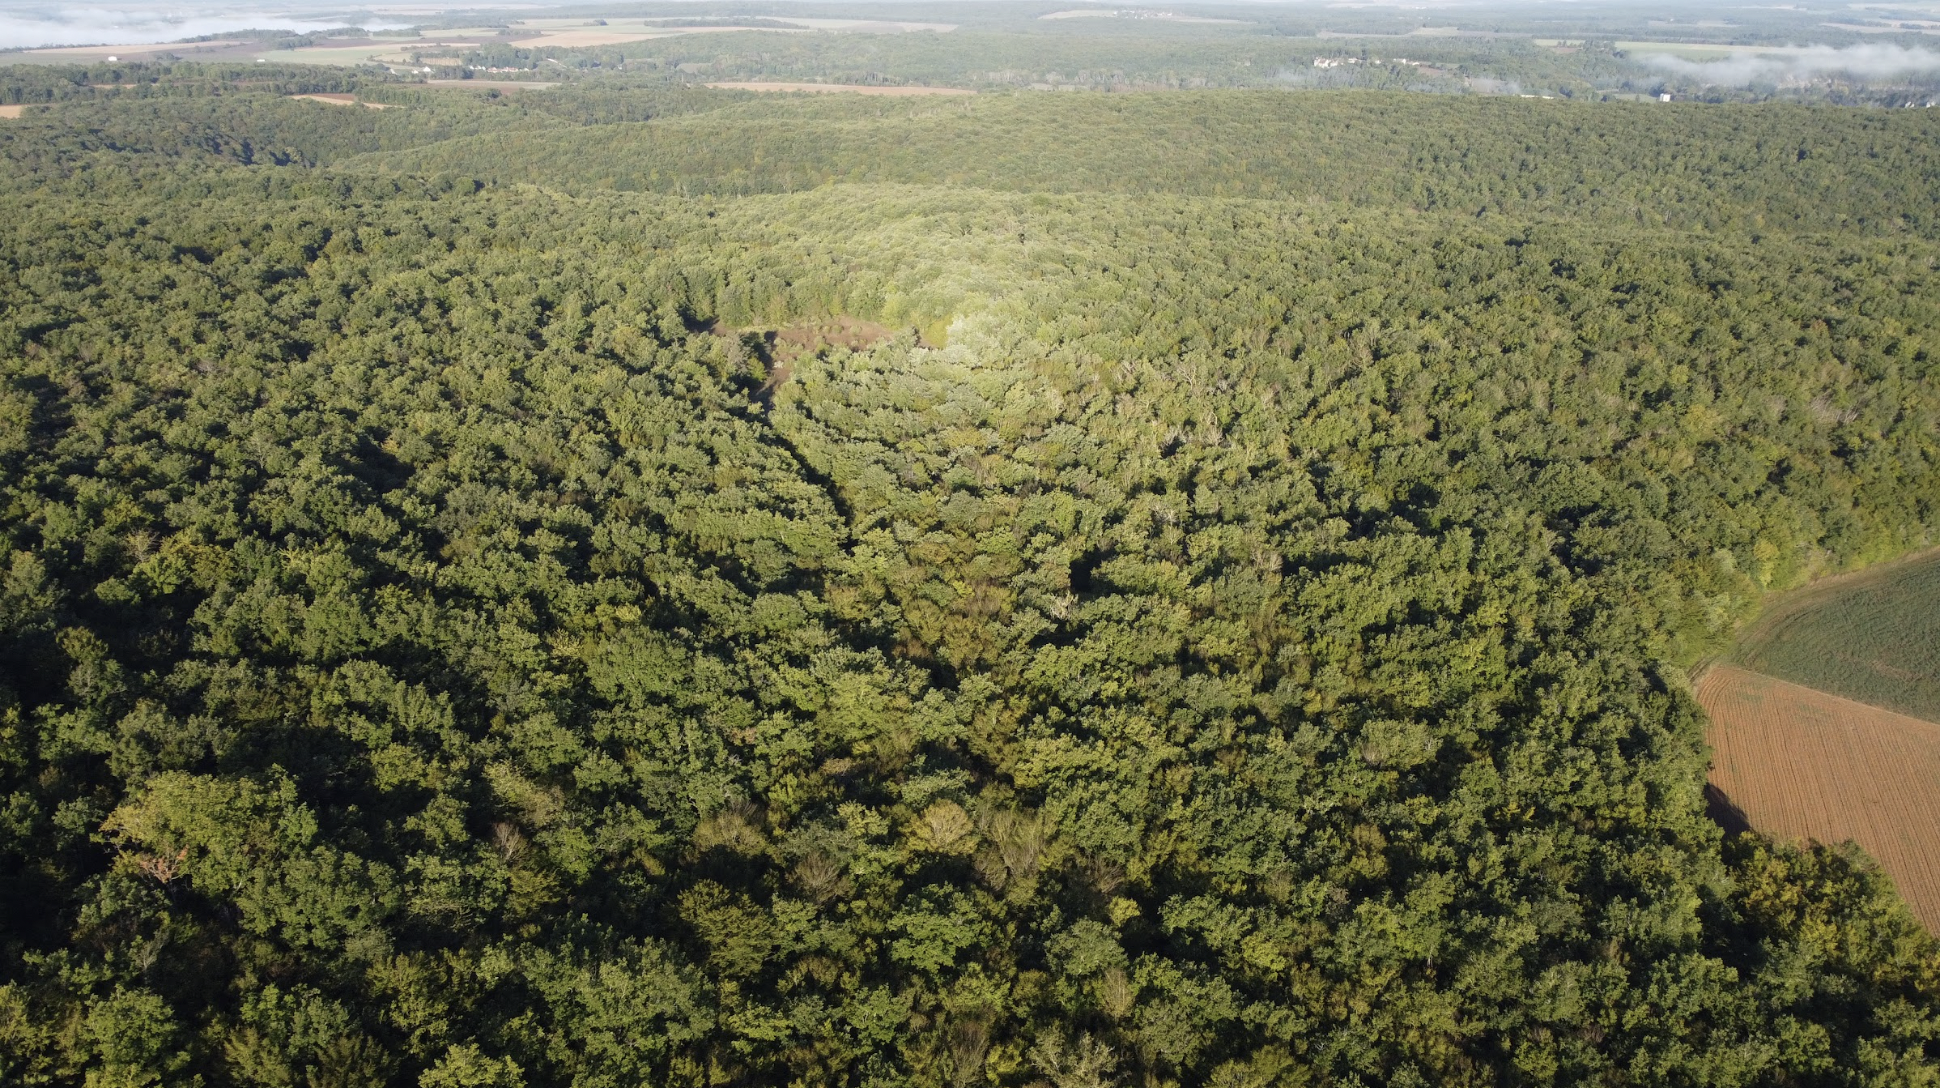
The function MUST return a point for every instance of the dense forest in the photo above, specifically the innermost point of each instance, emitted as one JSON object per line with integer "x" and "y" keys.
{"x": 619, "y": 586}
{"x": 1747, "y": 167}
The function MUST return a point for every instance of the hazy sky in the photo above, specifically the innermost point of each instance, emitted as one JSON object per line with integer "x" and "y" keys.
{"x": 36, "y": 24}
{"x": 31, "y": 23}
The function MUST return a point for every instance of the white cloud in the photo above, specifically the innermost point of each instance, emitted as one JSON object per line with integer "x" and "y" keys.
{"x": 1861, "y": 61}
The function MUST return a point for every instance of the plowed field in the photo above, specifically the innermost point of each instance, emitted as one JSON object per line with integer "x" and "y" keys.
{"x": 1800, "y": 763}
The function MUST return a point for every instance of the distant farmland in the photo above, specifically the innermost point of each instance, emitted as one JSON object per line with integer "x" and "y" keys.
{"x": 839, "y": 88}
{"x": 1873, "y": 636}
{"x": 1799, "y": 763}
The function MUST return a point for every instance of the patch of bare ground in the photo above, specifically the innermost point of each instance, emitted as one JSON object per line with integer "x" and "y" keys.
{"x": 12, "y": 111}
{"x": 838, "y": 88}
{"x": 775, "y": 351}
{"x": 1798, "y": 763}
{"x": 791, "y": 342}
{"x": 343, "y": 100}
{"x": 807, "y": 338}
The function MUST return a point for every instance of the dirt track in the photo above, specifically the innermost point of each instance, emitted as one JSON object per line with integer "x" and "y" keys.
{"x": 342, "y": 100}
{"x": 1802, "y": 764}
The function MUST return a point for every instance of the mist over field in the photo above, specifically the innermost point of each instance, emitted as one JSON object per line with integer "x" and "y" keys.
{"x": 27, "y": 24}
{"x": 34, "y": 26}
{"x": 1860, "y": 61}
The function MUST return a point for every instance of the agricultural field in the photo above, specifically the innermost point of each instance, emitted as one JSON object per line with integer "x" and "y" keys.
{"x": 443, "y": 46}
{"x": 225, "y": 49}
{"x": 558, "y": 34}
{"x": 1793, "y": 762}
{"x": 837, "y": 88}
{"x": 1873, "y": 637}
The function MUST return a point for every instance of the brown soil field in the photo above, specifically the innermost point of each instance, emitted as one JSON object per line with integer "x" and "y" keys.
{"x": 342, "y": 100}
{"x": 12, "y": 111}
{"x": 834, "y": 88}
{"x": 1797, "y": 763}
{"x": 580, "y": 39}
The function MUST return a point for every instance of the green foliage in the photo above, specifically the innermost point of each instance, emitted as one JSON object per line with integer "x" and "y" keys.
{"x": 1755, "y": 169}
{"x": 22, "y": 83}
{"x": 465, "y": 1067}
{"x": 1205, "y": 639}
{"x": 101, "y": 146}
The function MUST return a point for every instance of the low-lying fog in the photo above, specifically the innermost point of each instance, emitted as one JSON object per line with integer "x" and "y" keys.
{"x": 33, "y": 25}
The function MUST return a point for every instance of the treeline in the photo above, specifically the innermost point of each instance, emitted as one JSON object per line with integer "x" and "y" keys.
{"x": 1737, "y": 168}
{"x": 103, "y": 147}
{"x": 1712, "y": 168}
{"x": 100, "y": 144}
{"x": 31, "y": 84}
{"x": 1130, "y": 54}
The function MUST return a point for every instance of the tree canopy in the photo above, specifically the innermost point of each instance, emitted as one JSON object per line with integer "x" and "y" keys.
{"x": 1138, "y": 591}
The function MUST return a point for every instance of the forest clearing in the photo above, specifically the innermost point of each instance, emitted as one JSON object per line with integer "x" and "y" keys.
{"x": 841, "y": 331}
{"x": 1804, "y": 764}
{"x": 342, "y": 100}
{"x": 12, "y": 111}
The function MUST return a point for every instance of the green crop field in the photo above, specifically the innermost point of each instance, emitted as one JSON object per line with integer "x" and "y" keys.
{"x": 1874, "y": 637}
